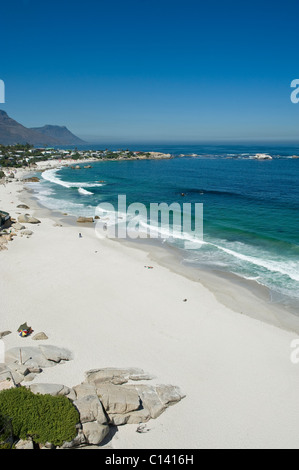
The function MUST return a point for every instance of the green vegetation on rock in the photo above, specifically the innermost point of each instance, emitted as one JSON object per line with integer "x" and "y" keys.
{"x": 44, "y": 418}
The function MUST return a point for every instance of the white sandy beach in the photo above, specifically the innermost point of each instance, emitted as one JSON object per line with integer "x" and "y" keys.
{"x": 96, "y": 298}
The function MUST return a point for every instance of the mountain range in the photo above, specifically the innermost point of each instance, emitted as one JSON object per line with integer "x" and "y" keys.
{"x": 12, "y": 132}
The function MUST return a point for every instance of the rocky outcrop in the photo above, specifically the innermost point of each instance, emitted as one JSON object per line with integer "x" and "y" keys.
{"x": 107, "y": 397}
{"x": 125, "y": 402}
{"x": 18, "y": 226}
{"x": 32, "y": 179}
{"x": 91, "y": 409}
{"x": 50, "y": 389}
{"x": 85, "y": 220}
{"x": 55, "y": 354}
{"x": 24, "y": 444}
{"x": 27, "y": 219}
{"x": 5, "y": 237}
{"x": 40, "y": 336}
{"x": 26, "y": 233}
{"x": 115, "y": 375}
{"x": 25, "y": 363}
{"x": 4, "y": 333}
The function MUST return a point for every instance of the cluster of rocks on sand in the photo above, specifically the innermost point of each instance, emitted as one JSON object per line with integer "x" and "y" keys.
{"x": 13, "y": 227}
{"x": 22, "y": 364}
{"x": 107, "y": 397}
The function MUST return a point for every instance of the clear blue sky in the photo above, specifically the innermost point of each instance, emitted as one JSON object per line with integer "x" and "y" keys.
{"x": 153, "y": 70}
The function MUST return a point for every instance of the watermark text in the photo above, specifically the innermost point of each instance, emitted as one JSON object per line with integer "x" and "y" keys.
{"x": 156, "y": 220}
{"x": 295, "y": 93}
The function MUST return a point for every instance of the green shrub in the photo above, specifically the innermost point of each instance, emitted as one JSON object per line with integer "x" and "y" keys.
{"x": 6, "y": 433}
{"x": 42, "y": 417}
{"x": 5, "y": 445}
{"x": 2, "y": 174}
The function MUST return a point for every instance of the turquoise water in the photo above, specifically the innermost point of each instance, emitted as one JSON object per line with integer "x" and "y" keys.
{"x": 251, "y": 208}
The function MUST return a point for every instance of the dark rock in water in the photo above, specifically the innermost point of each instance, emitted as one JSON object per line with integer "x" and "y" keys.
{"x": 85, "y": 220}
{"x": 33, "y": 179}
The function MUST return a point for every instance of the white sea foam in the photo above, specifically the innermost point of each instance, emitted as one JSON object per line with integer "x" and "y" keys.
{"x": 51, "y": 176}
{"x": 290, "y": 269}
{"x": 143, "y": 228}
{"x": 260, "y": 261}
{"x": 44, "y": 195}
{"x": 84, "y": 192}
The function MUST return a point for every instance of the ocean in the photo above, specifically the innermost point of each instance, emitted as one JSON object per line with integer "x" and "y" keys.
{"x": 250, "y": 207}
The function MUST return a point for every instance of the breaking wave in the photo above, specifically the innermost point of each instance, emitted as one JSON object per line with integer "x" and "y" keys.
{"x": 51, "y": 176}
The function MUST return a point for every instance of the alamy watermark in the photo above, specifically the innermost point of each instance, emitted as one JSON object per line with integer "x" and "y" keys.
{"x": 159, "y": 220}
{"x": 295, "y": 93}
{"x": 2, "y": 91}
{"x": 294, "y": 357}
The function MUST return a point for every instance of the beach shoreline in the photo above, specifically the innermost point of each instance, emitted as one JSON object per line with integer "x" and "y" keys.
{"x": 96, "y": 298}
{"x": 233, "y": 291}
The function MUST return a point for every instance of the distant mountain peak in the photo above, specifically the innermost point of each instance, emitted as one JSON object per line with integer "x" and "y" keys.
{"x": 12, "y": 132}
{"x": 61, "y": 133}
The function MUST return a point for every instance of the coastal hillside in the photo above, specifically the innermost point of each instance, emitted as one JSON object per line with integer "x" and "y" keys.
{"x": 12, "y": 132}
{"x": 60, "y": 133}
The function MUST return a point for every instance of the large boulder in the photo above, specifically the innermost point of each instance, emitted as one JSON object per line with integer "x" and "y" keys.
{"x": 78, "y": 441}
{"x": 154, "y": 400}
{"x": 40, "y": 336}
{"x": 85, "y": 220}
{"x": 29, "y": 356}
{"x": 157, "y": 398}
{"x": 23, "y": 444}
{"x": 133, "y": 417}
{"x": 6, "y": 380}
{"x": 84, "y": 389}
{"x": 90, "y": 409}
{"x": 38, "y": 357}
{"x": 4, "y": 333}
{"x": 26, "y": 233}
{"x": 94, "y": 432}
{"x": 32, "y": 179}
{"x": 117, "y": 399}
{"x": 18, "y": 226}
{"x": 130, "y": 403}
{"x": 27, "y": 219}
{"x": 115, "y": 375}
{"x": 49, "y": 389}
{"x": 55, "y": 354}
